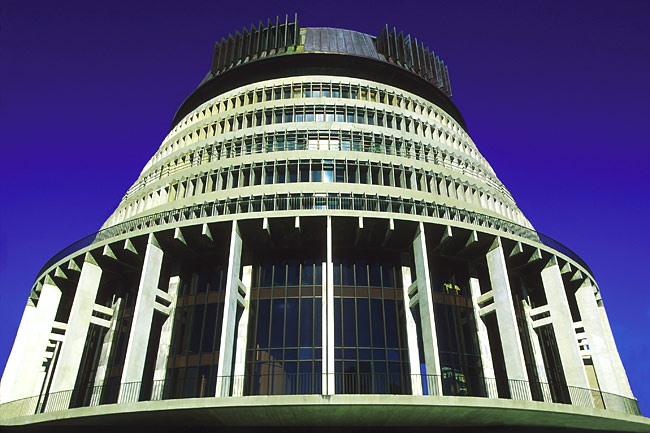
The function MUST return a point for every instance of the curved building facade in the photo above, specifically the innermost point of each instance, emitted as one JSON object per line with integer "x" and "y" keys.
{"x": 317, "y": 241}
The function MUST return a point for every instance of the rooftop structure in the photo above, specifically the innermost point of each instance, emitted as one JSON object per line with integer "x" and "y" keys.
{"x": 317, "y": 242}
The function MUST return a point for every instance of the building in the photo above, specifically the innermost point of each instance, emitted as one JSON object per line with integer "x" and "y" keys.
{"x": 317, "y": 242}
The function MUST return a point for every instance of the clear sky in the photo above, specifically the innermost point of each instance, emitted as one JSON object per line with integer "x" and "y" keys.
{"x": 555, "y": 94}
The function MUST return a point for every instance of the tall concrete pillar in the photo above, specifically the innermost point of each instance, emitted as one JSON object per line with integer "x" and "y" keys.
{"x": 136, "y": 351}
{"x": 537, "y": 355}
{"x": 327, "y": 301}
{"x": 565, "y": 336}
{"x": 27, "y": 355}
{"x": 65, "y": 374}
{"x": 17, "y": 354}
{"x": 104, "y": 357}
{"x": 160, "y": 371}
{"x": 242, "y": 334}
{"x": 601, "y": 355}
{"x": 623, "y": 383}
{"x": 229, "y": 326}
{"x": 483, "y": 340}
{"x": 513, "y": 353}
{"x": 411, "y": 334}
{"x": 427, "y": 321}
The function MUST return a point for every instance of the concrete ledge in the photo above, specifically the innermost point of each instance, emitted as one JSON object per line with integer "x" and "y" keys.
{"x": 315, "y": 412}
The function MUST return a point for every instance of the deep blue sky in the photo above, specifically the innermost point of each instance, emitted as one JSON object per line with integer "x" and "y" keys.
{"x": 555, "y": 95}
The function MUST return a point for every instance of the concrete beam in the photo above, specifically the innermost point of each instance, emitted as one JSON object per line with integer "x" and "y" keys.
{"x": 389, "y": 231}
{"x": 178, "y": 236}
{"x": 205, "y": 231}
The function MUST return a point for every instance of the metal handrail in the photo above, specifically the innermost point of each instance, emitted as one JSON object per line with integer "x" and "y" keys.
{"x": 279, "y": 382}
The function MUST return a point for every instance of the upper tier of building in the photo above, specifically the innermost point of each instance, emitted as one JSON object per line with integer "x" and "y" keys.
{"x": 340, "y": 113}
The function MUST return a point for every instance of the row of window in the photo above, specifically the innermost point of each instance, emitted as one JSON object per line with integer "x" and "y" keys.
{"x": 319, "y": 113}
{"x": 317, "y": 90}
{"x": 321, "y": 171}
{"x": 357, "y": 141}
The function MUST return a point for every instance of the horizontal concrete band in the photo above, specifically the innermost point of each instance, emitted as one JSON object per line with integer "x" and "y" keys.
{"x": 193, "y": 215}
{"x": 341, "y": 410}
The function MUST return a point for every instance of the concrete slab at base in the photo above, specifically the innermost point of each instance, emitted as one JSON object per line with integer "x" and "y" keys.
{"x": 315, "y": 412}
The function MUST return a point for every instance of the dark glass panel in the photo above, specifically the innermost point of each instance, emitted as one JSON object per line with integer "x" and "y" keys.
{"x": 347, "y": 272}
{"x": 210, "y": 325}
{"x": 197, "y": 327}
{"x": 307, "y": 277}
{"x": 363, "y": 323}
{"x": 293, "y": 274}
{"x": 387, "y": 275}
{"x": 280, "y": 274}
{"x": 361, "y": 273}
{"x": 391, "y": 323}
{"x": 263, "y": 323}
{"x": 318, "y": 324}
{"x": 349, "y": 328}
{"x": 337, "y": 272}
{"x": 291, "y": 326}
{"x": 266, "y": 274}
{"x": 337, "y": 322}
{"x": 377, "y": 316}
{"x": 306, "y": 322}
{"x": 277, "y": 323}
{"x": 374, "y": 275}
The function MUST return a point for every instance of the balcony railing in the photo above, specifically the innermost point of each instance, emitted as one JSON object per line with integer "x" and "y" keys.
{"x": 304, "y": 201}
{"x": 312, "y": 384}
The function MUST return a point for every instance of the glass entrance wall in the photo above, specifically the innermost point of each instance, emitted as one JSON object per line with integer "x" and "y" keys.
{"x": 460, "y": 356}
{"x": 370, "y": 355}
{"x": 194, "y": 354}
{"x": 284, "y": 349}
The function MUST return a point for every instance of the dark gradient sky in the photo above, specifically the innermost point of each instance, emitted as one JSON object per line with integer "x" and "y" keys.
{"x": 555, "y": 95}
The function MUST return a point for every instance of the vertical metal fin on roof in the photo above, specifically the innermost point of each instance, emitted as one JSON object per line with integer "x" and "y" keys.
{"x": 405, "y": 52}
{"x": 255, "y": 43}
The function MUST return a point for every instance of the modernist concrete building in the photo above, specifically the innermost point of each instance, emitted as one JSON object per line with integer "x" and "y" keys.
{"x": 317, "y": 242}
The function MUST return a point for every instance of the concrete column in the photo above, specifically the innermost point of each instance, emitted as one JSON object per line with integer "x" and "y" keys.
{"x": 411, "y": 335}
{"x": 67, "y": 367}
{"x": 160, "y": 371}
{"x": 8, "y": 391}
{"x": 20, "y": 378}
{"x": 242, "y": 335}
{"x": 104, "y": 357}
{"x": 565, "y": 336}
{"x": 623, "y": 383}
{"x": 427, "y": 321}
{"x": 328, "y": 317}
{"x": 483, "y": 340}
{"x": 136, "y": 351}
{"x": 537, "y": 354}
{"x": 513, "y": 353}
{"x": 601, "y": 355}
{"x": 229, "y": 326}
